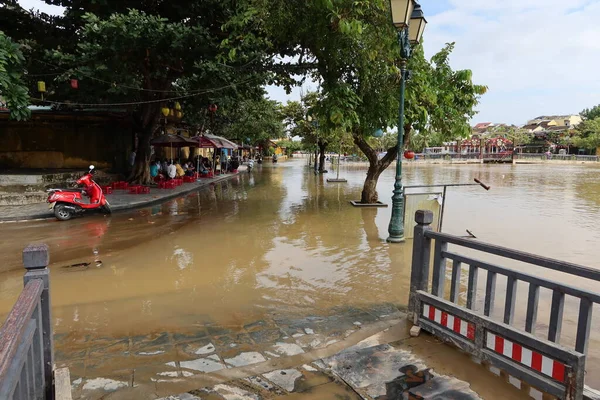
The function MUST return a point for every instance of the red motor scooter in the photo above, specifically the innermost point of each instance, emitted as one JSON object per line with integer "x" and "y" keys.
{"x": 68, "y": 202}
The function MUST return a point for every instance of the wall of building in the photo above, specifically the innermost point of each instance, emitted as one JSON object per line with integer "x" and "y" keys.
{"x": 65, "y": 141}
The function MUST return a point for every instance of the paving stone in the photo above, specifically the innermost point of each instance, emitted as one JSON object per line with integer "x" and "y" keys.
{"x": 285, "y": 379}
{"x": 287, "y": 349}
{"x": 197, "y": 348}
{"x": 440, "y": 387}
{"x": 246, "y": 358}
{"x": 384, "y": 311}
{"x": 267, "y": 336}
{"x": 142, "y": 343}
{"x": 263, "y": 384}
{"x": 103, "y": 348}
{"x": 258, "y": 325}
{"x": 230, "y": 392}
{"x": 184, "y": 396}
{"x": 217, "y": 330}
{"x": 66, "y": 355}
{"x": 226, "y": 341}
{"x": 208, "y": 364}
{"x": 373, "y": 367}
{"x": 104, "y": 384}
{"x": 190, "y": 336}
{"x": 311, "y": 379}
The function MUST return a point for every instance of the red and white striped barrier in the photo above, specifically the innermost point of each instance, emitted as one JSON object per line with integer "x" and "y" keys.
{"x": 455, "y": 324}
{"x": 534, "y": 360}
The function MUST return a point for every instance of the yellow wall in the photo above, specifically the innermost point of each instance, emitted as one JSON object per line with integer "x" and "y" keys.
{"x": 61, "y": 140}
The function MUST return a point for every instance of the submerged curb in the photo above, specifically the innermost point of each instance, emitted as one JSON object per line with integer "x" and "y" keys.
{"x": 165, "y": 196}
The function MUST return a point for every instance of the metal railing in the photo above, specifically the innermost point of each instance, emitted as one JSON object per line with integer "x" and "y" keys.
{"x": 562, "y": 157}
{"x": 26, "y": 347}
{"x": 544, "y": 364}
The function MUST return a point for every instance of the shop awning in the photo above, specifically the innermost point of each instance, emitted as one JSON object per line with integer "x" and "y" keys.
{"x": 172, "y": 141}
{"x": 213, "y": 142}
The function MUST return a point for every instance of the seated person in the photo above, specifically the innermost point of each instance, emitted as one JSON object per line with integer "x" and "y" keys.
{"x": 154, "y": 168}
{"x": 171, "y": 170}
{"x": 180, "y": 172}
{"x": 189, "y": 169}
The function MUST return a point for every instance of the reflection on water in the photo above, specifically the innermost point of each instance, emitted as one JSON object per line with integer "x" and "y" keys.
{"x": 284, "y": 240}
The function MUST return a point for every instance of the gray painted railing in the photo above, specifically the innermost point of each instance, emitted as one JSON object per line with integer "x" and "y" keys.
{"x": 544, "y": 364}
{"x": 26, "y": 348}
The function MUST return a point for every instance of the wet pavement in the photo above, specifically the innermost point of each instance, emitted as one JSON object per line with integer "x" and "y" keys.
{"x": 132, "y": 291}
{"x": 119, "y": 200}
{"x": 327, "y": 357}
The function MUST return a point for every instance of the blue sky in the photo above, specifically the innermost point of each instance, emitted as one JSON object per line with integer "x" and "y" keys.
{"x": 538, "y": 57}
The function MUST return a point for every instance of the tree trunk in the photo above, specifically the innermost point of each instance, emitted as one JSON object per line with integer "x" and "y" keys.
{"x": 376, "y": 167}
{"x": 316, "y": 159}
{"x": 140, "y": 173}
{"x": 369, "y": 193}
{"x": 322, "y": 148}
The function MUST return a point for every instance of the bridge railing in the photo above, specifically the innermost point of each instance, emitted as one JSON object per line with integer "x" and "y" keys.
{"x": 26, "y": 351}
{"x": 541, "y": 363}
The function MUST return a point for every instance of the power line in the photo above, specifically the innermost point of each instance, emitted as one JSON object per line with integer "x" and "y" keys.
{"x": 121, "y": 85}
{"x": 141, "y": 102}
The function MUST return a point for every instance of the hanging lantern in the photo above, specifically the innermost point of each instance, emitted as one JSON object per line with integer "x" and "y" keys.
{"x": 409, "y": 155}
{"x": 177, "y": 106}
{"x": 171, "y": 112}
{"x": 165, "y": 111}
{"x": 74, "y": 83}
{"x": 378, "y": 133}
{"x": 41, "y": 86}
{"x": 179, "y": 114}
{"x": 213, "y": 108}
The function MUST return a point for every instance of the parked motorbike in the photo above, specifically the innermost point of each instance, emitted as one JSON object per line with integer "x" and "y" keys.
{"x": 67, "y": 203}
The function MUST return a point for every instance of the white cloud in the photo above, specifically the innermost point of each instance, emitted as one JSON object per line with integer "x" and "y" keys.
{"x": 536, "y": 56}
{"x": 41, "y": 6}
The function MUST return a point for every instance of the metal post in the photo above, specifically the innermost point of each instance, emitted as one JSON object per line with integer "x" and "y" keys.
{"x": 396, "y": 227}
{"x": 419, "y": 273}
{"x": 443, "y": 208}
{"x": 36, "y": 259}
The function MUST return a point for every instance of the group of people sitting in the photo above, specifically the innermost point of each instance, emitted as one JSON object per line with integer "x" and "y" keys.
{"x": 174, "y": 169}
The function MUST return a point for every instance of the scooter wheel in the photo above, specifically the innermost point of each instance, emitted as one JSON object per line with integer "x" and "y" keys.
{"x": 62, "y": 213}
{"x": 106, "y": 209}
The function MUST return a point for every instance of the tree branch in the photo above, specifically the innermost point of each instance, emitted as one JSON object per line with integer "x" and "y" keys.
{"x": 362, "y": 144}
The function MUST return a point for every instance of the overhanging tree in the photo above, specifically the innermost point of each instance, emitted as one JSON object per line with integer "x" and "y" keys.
{"x": 13, "y": 91}
{"x": 354, "y": 47}
{"x": 141, "y": 60}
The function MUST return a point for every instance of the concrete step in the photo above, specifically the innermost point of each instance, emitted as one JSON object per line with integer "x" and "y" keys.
{"x": 22, "y": 198}
{"x": 22, "y": 189}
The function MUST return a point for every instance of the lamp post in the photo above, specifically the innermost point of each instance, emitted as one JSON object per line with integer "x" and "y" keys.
{"x": 409, "y": 20}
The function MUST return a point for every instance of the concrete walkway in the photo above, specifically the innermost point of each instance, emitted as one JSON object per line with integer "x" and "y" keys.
{"x": 120, "y": 200}
{"x": 349, "y": 354}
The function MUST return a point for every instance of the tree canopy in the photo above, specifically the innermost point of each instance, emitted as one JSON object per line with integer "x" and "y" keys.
{"x": 591, "y": 113}
{"x": 587, "y": 134}
{"x": 357, "y": 62}
{"x": 13, "y": 89}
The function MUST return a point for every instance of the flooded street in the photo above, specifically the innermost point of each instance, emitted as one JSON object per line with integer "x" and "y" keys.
{"x": 282, "y": 241}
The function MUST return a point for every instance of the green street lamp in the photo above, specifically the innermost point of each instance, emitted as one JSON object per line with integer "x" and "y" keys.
{"x": 409, "y": 20}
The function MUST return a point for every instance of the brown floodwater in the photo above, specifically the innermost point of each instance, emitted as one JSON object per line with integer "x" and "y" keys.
{"x": 284, "y": 240}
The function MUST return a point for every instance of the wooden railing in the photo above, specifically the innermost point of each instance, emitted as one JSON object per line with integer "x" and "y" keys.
{"x": 26, "y": 348}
